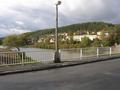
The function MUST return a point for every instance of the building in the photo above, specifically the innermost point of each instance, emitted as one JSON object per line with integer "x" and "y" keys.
{"x": 63, "y": 34}
{"x": 41, "y": 40}
{"x": 79, "y": 37}
{"x": 52, "y": 40}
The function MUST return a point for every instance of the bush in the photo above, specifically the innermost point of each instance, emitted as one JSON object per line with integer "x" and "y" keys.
{"x": 86, "y": 42}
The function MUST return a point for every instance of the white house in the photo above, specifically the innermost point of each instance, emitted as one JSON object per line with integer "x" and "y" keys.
{"x": 99, "y": 33}
{"x": 52, "y": 40}
{"x": 79, "y": 37}
{"x": 41, "y": 40}
{"x": 63, "y": 34}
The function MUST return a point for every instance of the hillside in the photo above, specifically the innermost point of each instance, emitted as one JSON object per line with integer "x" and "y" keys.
{"x": 82, "y": 27}
{"x": 1, "y": 40}
{"x": 74, "y": 36}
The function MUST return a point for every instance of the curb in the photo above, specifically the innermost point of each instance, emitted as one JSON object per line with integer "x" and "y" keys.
{"x": 58, "y": 65}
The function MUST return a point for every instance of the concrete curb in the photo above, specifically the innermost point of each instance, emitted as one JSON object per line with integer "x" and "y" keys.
{"x": 54, "y": 66}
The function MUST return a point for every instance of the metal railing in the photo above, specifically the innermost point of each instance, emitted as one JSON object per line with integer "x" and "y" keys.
{"x": 41, "y": 56}
{"x": 47, "y": 56}
{"x": 14, "y": 58}
{"x": 87, "y": 53}
{"x": 8, "y": 58}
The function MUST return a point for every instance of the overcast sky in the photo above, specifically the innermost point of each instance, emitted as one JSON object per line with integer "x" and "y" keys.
{"x": 18, "y": 16}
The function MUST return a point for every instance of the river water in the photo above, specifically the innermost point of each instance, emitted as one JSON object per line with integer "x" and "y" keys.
{"x": 39, "y": 54}
{"x": 48, "y": 54}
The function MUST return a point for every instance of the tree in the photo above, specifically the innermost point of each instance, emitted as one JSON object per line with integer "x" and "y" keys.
{"x": 108, "y": 39}
{"x": 105, "y": 42}
{"x": 24, "y": 40}
{"x": 85, "y": 42}
{"x": 15, "y": 41}
{"x": 117, "y": 34}
{"x": 96, "y": 43}
{"x": 0, "y": 42}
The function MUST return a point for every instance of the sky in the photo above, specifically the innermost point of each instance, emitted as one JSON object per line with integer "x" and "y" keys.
{"x": 19, "y": 16}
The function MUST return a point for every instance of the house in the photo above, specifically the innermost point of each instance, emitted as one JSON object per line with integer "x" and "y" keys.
{"x": 63, "y": 34}
{"x": 101, "y": 33}
{"x": 52, "y": 40}
{"x": 79, "y": 37}
{"x": 41, "y": 40}
{"x": 65, "y": 38}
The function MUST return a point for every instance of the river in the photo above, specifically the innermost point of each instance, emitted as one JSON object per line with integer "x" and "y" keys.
{"x": 39, "y": 54}
{"x": 48, "y": 54}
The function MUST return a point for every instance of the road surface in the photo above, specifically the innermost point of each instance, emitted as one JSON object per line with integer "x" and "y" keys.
{"x": 95, "y": 76}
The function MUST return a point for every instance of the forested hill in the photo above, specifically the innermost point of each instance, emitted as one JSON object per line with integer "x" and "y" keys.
{"x": 82, "y": 27}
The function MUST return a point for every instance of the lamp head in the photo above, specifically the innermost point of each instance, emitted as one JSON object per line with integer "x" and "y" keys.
{"x": 58, "y": 3}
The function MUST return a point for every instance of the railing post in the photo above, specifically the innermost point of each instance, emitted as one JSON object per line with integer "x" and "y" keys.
{"x": 110, "y": 51}
{"x": 22, "y": 58}
{"x": 97, "y": 52}
{"x": 59, "y": 53}
{"x": 81, "y": 53}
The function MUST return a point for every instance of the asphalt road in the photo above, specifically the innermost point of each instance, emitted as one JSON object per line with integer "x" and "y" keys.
{"x": 95, "y": 76}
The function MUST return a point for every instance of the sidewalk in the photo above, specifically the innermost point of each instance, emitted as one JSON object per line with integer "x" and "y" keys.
{"x": 4, "y": 70}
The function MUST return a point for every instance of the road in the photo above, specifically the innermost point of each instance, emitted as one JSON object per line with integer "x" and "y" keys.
{"x": 95, "y": 76}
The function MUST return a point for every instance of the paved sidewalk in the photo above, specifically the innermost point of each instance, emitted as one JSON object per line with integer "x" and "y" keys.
{"x": 4, "y": 70}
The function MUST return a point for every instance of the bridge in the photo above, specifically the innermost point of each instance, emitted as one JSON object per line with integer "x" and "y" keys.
{"x": 82, "y": 75}
{"x": 95, "y": 76}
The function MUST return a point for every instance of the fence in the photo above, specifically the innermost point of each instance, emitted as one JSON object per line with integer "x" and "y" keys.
{"x": 86, "y": 53}
{"x": 7, "y": 58}
{"x": 47, "y": 56}
{"x": 14, "y": 58}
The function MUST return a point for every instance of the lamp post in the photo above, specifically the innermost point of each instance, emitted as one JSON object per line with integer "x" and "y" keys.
{"x": 57, "y": 54}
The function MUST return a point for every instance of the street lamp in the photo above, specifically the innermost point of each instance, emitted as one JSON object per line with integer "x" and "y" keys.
{"x": 57, "y": 54}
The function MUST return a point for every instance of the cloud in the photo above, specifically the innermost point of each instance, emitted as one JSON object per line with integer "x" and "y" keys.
{"x": 93, "y": 10}
{"x": 5, "y": 32}
{"x": 30, "y": 15}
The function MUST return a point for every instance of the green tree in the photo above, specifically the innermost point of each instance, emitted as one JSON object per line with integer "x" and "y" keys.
{"x": 0, "y": 42}
{"x": 105, "y": 42}
{"x": 96, "y": 43}
{"x": 117, "y": 34}
{"x": 85, "y": 42}
{"x": 15, "y": 41}
{"x": 108, "y": 40}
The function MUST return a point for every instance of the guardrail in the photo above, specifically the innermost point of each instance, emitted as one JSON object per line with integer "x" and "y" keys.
{"x": 14, "y": 58}
{"x": 44, "y": 56}
{"x": 7, "y": 58}
{"x": 86, "y": 53}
